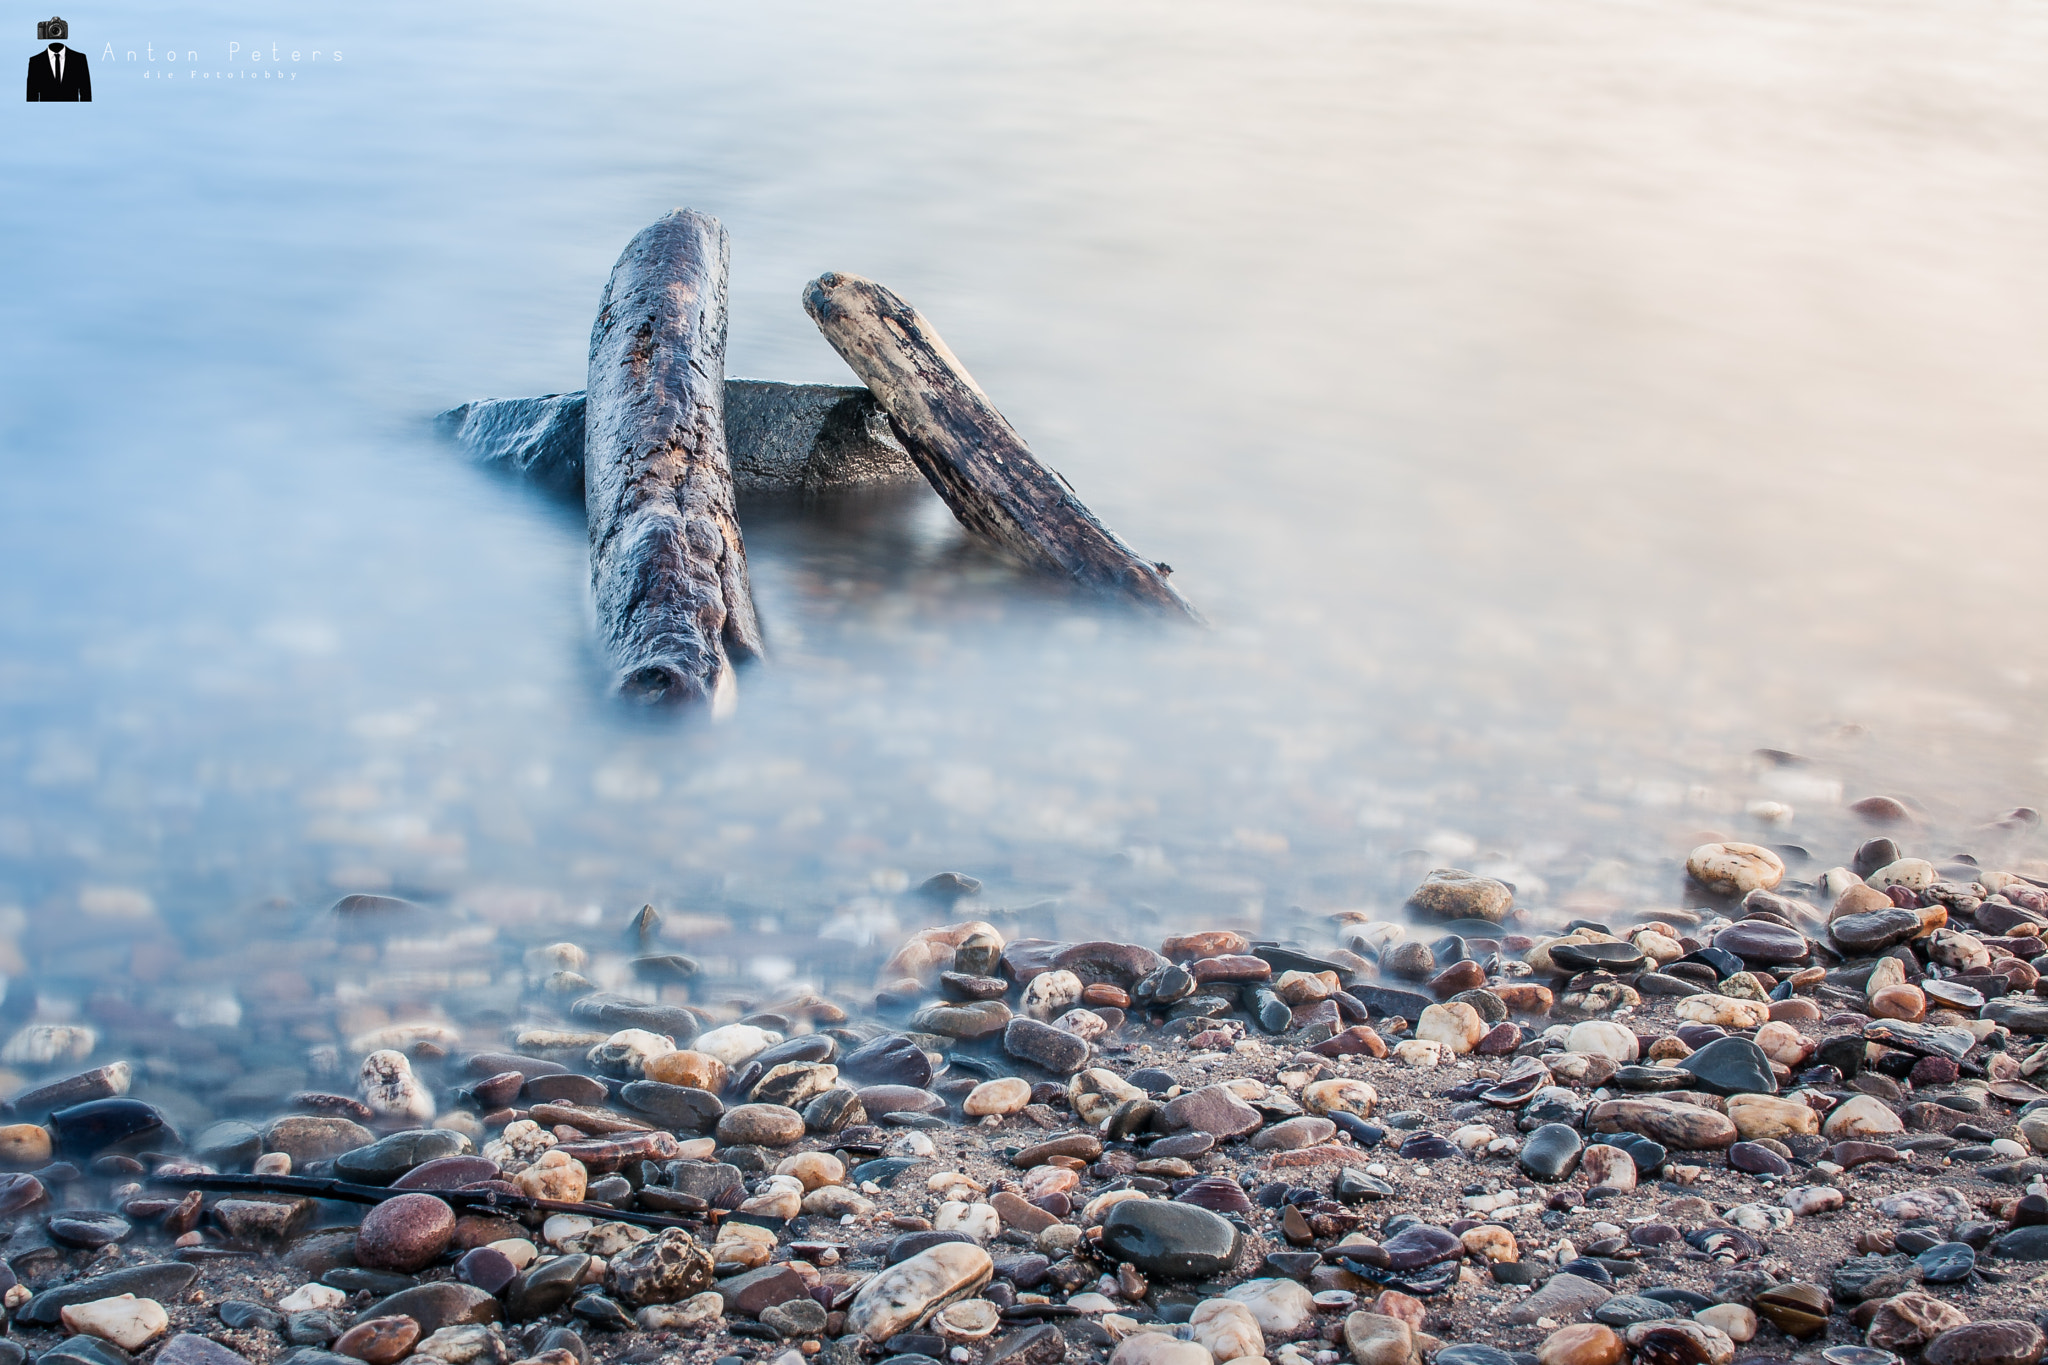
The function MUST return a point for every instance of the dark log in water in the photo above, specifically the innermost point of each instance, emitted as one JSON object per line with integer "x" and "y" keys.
{"x": 779, "y": 438}
{"x": 674, "y": 608}
{"x": 970, "y": 452}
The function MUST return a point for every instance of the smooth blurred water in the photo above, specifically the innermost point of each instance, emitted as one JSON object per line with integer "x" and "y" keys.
{"x": 1548, "y": 405}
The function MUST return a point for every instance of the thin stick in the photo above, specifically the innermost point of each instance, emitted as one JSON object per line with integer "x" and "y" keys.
{"x": 321, "y": 1188}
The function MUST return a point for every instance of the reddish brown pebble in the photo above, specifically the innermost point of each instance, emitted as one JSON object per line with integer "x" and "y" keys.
{"x": 1102, "y": 993}
{"x": 495, "y": 1092}
{"x": 405, "y": 1234}
{"x": 380, "y": 1341}
{"x": 1359, "y": 1039}
{"x": 1848, "y": 1155}
{"x": 1934, "y": 1071}
{"x": 1232, "y": 968}
{"x": 1882, "y": 810}
{"x": 1499, "y": 1040}
{"x": 1213, "y": 943}
{"x": 1524, "y": 998}
{"x": 186, "y": 1215}
{"x": 1459, "y": 976}
{"x": 1794, "y": 1011}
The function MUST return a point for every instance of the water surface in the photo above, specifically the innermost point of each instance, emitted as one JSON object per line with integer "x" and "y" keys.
{"x": 1549, "y": 407}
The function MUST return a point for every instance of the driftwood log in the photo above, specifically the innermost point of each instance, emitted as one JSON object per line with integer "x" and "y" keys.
{"x": 779, "y": 438}
{"x": 970, "y": 452}
{"x": 675, "y": 611}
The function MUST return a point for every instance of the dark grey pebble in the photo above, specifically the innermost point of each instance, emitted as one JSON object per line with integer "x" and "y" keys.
{"x": 1949, "y": 1263}
{"x": 242, "y": 1315}
{"x": 1551, "y": 1153}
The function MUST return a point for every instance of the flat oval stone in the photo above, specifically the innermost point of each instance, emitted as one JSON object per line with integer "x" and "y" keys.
{"x": 1625, "y": 1310}
{"x": 1722, "y": 963}
{"x": 386, "y": 1159}
{"x": 1593, "y": 957}
{"x": 538, "y": 1292}
{"x": 1451, "y": 894}
{"x": 764, "y": 1125}
{"x": 447, "y": 1173}
{"x": 1755, "y": 1159}
{"x": 1419, "y": 1245}
{"x": 487, "y": 1268}
{"x": 1188, "y": 1144}
{"x": 805, "y": 1047}
{"x": 1873, "y": 931}
{"x": 1218, "y": 1194}
{"x": 1732, "y": 1066}
{"x": 1120, "y": 964}
{"x": 1427, "y": 1147}
{"x": 681, "y": 1108}
{"x": 904, "y": 1294}
{"x": 498, "y": 1063}
{"x": 566, "y": 1088}
{"x": 917, "y": 1243}
{"x": 1174, "y": 1240}
{"x": 86, "y": 1130}
{"x": 445, "y": 1303}
{"x": 1550, "y": 1153}
{"x": 1760, "y": 942}
{"x": 617, "y": 1012}
{"x": 1685, "y": 1127}
{"x": 883, "y": 1100}
{"x": 1473, "y": 1353}
{"x": 405, "y": 1234}
{"x": 88, "y": 1229}
{"x": 1948, "y": 1263}
{"x": 380, "y": 1341}
{"x": 1953, "y": 994}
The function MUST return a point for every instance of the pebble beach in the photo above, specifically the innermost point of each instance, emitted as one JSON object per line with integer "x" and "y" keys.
{"x": 1793, "y": 1120}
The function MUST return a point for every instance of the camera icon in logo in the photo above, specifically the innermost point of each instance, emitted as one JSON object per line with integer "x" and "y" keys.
{"x": 52, "y": 27}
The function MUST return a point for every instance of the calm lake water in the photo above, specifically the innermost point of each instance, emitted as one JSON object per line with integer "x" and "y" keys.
{"x": 1549, "y": 406}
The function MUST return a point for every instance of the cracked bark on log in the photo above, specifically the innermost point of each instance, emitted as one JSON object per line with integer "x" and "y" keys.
{"x": 668, "y": 567}
{"x": 970, "y": 452}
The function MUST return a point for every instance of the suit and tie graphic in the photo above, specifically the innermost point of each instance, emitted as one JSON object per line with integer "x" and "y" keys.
{"x": 57, "y": 74}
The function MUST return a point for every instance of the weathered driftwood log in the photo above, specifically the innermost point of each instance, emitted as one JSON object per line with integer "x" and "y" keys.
{"x": 667, "y": 564}
{"x": 779, "y": 438}
{"x": 969, "y": 451}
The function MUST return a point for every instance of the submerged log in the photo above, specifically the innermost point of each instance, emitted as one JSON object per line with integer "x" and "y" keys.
{"x": 970, "y": 452}
{"x": 779, "y": 438}
{"x": 667, "y": 565}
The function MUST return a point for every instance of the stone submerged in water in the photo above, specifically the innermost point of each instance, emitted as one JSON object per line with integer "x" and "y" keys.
{"x": 1735, "y": 869}
{"x": 1451, "y": 894}
{"x": 384, "y": 1161}
{"x": 1762, "y": 942}
{"x": 405, "y": 1234}
{"x": 1171, "y": 1240}
{"x": 1042, "y": 1045}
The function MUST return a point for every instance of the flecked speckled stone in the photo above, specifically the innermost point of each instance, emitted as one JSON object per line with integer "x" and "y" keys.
{"x": 405, "y": 1234}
